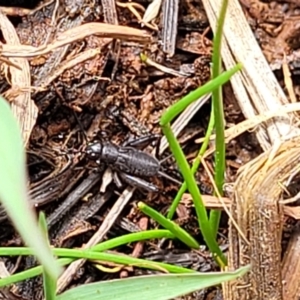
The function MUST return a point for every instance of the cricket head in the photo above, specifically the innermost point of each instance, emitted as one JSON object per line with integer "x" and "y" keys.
{"x": 94, "y": 151}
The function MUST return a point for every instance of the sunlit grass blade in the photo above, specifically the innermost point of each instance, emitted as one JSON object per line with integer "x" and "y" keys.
{"x": 180, "y": 233}
{"x": 101, "y": 256}
{"x": 107, "y": 245}
{"x": 110, "y": 244}
{"x": 13, "y": 190}
{"x": 158, "y": 287}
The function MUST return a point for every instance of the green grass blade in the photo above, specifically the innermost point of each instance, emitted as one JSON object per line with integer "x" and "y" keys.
{"x": 193, "y": 96}
{"x": 49, "y": 283}
{"x": 110, "y": 244}
{"x": 194, "y": 168}
{"x": 182, "y": 163}
{"x": 218, "y": 110}
{"x": 93, "y": 255}
{"x": 133, "y": 237}
{"x": 30, "y": 273}
{"x": 158, "y": 287}
{"x": 180, "y": 233}
{"x": 43, "y": 225}
{"x": 49, "y": 287}
{"x": 107, "y": 245}
{"x": 13, "y": 190}
{"x": 195, "y": 193}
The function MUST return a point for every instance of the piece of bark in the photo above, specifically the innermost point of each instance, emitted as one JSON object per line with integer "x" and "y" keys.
{"x": 291, "y": 267}
{"x": 259, "y": 216}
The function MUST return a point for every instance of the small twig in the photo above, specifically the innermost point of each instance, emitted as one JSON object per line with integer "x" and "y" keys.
{"x": 219, "y": 197}
{"x": 133, "y": 6}
{"x": 108, "y": 222}
{"x": 162, "y": 68}
{"x": 76, "y": 34}
{"x": 111, "y": 17}
{"x": 72, "y": 199}
{"x": 10, "y": 63}
{"x": 213, "y": 202}
{"x": 287, "y": 79}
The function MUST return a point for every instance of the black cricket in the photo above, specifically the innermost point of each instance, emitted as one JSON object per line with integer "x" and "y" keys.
{"x": 129, "y": 163}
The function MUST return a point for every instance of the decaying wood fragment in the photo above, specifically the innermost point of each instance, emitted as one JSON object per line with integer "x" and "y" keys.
{"x": 259, "y": 215}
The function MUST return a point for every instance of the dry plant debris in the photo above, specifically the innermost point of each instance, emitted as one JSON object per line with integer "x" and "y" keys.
{"x": 19, "y": 78}
{"x": 84, "y": 56}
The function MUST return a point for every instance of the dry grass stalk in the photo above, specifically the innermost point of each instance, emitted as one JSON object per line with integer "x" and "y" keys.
{"x": 76, "y": 34}
{"x": 19, "y": 95}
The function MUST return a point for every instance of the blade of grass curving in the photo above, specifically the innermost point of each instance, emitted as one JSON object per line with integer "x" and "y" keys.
{"x": 194, "y": 168}
{"x": 110, "y": 244}
{"x": 49, "y": 283}
{"x": 158, "y": 287}
{"x": 101, "y": 256}
{"x": 218, "y": 110}
{"x": 174, "y": 110}
{"x": 121, "y": 259}
{"x": 182, "y": 163}
{"x": 180, "y": 233}
{"x": 194, "y": 191}
{"x": 133, "y": 237}
{"x": 107, "y": 245}
{"x": 13, "y": 191}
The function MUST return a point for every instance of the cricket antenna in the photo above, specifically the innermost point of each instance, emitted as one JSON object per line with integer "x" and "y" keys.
{"x": 163, "y": 174}
{"x": 81, "y": 127}
{"x": 60, "y": 96}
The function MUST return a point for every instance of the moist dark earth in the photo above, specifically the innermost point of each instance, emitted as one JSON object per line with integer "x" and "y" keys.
{"x": 114, "y": 97}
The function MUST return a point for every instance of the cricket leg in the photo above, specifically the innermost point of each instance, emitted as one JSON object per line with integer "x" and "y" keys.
{"x": 138, "y": 182}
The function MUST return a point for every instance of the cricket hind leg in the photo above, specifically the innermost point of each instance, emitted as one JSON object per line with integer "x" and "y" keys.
{"x": 138, "y": 182}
